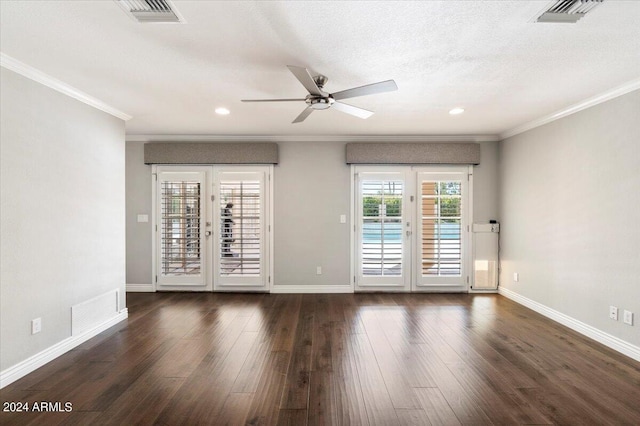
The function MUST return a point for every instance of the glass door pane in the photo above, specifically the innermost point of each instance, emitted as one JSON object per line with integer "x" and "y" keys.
{"x": 382, "y": 228}
{"x": 240, "y": 228}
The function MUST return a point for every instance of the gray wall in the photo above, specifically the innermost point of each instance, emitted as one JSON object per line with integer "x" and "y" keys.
{"x": 62, "y": 212}
{"x": 139, "y": 234}
{"x": 311, "y": 191}
{"x": 570, "y": 211}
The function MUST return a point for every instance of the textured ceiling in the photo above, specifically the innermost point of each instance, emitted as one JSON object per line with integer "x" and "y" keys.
{"x": 486, "y": 56}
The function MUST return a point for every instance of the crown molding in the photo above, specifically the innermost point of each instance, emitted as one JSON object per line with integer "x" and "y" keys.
{"x": 34, "y": 74}
{"x": 587, "y": 103}
{"x": 312, "y": 138}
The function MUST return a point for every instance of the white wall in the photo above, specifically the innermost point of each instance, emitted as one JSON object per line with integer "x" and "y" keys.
{"x": 62, "y": 212}
{"x": 570, "y": 212}
{"x": 311, "y": 191}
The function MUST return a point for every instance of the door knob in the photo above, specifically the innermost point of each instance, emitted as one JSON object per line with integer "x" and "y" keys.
{"x": 207, "y": 233}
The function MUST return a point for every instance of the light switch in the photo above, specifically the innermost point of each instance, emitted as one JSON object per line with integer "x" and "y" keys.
{"x": 143, "y": 218}
{"x": 343, "y": 218}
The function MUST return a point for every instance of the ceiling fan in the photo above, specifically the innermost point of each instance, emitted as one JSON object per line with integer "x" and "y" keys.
{"x": 318, "y": 99}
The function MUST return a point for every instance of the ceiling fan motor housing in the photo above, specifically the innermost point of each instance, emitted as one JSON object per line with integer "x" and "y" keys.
{"x": 319, "y": 102}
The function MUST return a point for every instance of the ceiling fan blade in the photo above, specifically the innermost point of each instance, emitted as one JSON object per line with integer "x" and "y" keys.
{"x": 369, "y": 89}
{"x": 271, "y": 100}
{"x": 303, "y": 115}
{"x": 303, "y": 76}
{"x": 350, "y": 109}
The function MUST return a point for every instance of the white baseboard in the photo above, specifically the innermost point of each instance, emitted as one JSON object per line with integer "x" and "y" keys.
{"x": 140, "y": 288}
{"x": 312, "y": 289}
{"x": 600, "y": 336}
{"x": 36, "y": 361}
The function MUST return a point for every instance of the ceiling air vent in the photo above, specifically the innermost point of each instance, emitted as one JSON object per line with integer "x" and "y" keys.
{"x": 151, "y": 11}
{"x": 568, "y": 11}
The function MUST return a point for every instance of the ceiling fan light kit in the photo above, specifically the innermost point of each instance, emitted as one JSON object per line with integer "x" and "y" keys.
{"x": 318, "y": 99}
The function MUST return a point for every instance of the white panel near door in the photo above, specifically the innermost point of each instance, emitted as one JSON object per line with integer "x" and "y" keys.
{"x": 241, "y": 204}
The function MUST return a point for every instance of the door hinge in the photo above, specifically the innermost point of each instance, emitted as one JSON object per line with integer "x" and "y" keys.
{"x": 156, "y": 278}
{"x": 213, "y": 197}
{"x": 467, "y": 228}
{"x": 156, "y": 228}
{"x": 467, "y": 279}
{"x": 269, "y": 228}
{"x": 354, "y": 279}
{"x": 155, "y": 176}
{"x": 411, "y": 198}
{"x": 269, "y": 279}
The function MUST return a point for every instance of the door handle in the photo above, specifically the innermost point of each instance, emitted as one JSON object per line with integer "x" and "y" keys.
{"x": 207, "y": 233}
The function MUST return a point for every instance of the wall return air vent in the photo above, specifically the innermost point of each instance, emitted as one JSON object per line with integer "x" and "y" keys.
{"x": 151, "y": 11}
{"x": 568, "y": 11}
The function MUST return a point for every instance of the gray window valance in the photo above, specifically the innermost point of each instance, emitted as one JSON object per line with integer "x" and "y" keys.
{"x": 210, "y": 153}
{"x": 413, "y": 153}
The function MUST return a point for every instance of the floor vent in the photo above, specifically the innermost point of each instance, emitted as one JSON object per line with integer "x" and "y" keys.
{"x": 568, "y": 11}
{"x": 151, "y": 11}
{"x": 94, "y": 312}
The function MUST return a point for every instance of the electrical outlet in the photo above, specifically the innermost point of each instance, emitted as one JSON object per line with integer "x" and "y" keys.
{"x": 613, "y": 313}
{"x": 36, "y": 325}
{"x": 628, "y": 317}
{"x": 516, "y": 277}
{"x": 319, "y": 270}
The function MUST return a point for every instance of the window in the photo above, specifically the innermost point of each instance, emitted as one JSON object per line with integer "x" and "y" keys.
{"x": 180, "y": 220}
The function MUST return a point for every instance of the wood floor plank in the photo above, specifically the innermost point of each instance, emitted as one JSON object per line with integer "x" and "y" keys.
{"x": 296, "y": 391}
{"x": 265, "y": 407}
{"x": 412, "y": 417}
{"x": 380, "y": 409}
{"x": 292, "y": 418}
{"x": 392, "y": 369}
{"x": 337, "y": 359}
{"x": 235, "y": 409}
{"x": 436, "y": 407}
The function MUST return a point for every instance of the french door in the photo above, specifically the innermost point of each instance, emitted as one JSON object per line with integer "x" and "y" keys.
{"x": 212, "y": 228}
{"x": 411, "y": 228}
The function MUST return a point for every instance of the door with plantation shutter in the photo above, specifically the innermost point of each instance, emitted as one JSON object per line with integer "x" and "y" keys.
{"x": 241, "y": 249}
{"x": 442, "y": 229}
{"x": 411, "y": 228}
{"x": 383, "y": 229}
{"x": 181, "y": 232}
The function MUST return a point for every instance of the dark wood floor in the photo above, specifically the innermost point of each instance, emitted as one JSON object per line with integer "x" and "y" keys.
{"x": 382, "y": 359}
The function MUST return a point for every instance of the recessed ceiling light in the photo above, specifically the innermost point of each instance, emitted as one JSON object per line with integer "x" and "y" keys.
{"x": 222, "y": 111}
{"x": 456, "y": 111}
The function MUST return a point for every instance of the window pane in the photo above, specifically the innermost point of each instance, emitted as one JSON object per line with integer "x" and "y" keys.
{"x": 180, "y": 221}
{"x": 381, "y": 250}
{"x": 240, "y": 228}
{"x": 441, "y": 228}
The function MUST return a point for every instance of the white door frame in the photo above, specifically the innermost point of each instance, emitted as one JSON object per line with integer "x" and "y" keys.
{"x": 400, "y": 283}
{"x": 444, "y": 284}
{"x": 263, "y": 282}
{"x": 211, "y": 215}
{"x": 203, "y": 283}
{"x": 411, "y": 191}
